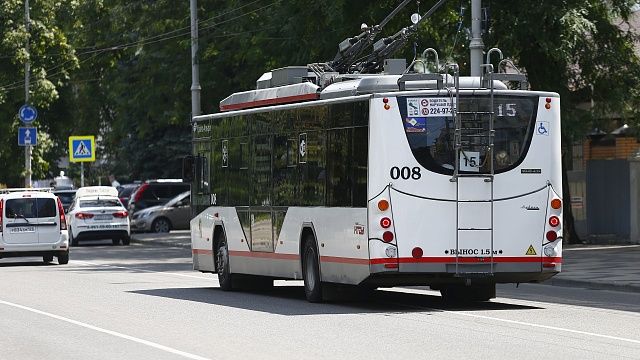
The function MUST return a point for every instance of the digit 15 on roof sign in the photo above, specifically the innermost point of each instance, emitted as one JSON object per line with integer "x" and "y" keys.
{"x": 82, "y": 148}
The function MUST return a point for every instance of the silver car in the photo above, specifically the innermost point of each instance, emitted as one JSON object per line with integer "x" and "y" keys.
{"x": 174, "y": 215}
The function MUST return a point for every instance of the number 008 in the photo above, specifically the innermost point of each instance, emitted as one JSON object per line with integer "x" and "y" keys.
{"x": 405, "y": 173}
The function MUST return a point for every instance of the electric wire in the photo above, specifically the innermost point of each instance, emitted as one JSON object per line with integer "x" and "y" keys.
{"x": 146, "y": 41}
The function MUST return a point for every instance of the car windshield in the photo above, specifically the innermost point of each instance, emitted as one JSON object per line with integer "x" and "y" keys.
{"x": 100, "y": 203}
{"x": 65, "y": 197}
{"x": 126, "y": 191}
{"x": 184, "y": 197}
{"x": 30, "y": 208}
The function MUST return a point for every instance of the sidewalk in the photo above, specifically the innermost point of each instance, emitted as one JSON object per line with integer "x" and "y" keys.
{"x": 607, "y": 267}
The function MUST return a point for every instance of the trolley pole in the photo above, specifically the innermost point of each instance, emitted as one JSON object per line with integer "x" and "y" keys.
{"x": 27, "y": 70}
{"x": 195, "y": 70}
{"x": 476, "y": 45}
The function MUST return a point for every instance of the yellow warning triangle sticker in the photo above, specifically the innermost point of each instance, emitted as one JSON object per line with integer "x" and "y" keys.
{"x": 531, "y": 250}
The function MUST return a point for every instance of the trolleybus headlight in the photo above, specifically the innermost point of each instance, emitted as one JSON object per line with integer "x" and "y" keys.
{"x": 387, "y": 236}
{"x": 552, "y": 235}
{"x": 383, "y": 205}
{"x": 385, "y": 222}
{"x": 554, "y": 221}
{"x": 556, "y": 203}
{"x": 417, "y": 252}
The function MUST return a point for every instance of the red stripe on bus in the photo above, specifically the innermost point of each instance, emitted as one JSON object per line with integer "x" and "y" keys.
{"x": 274, "y": 101}
{"x": 451, "y": 259}
{"x": 202, "y": 252}
{"x": 264, "y": 255}
{"x": 344, "y": 260}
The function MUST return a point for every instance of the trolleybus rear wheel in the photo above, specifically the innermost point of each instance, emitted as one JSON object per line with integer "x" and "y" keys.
{"x": 222, "y": 264}
{"x": 311, "y": 272}
{"x": 465, "y": 294}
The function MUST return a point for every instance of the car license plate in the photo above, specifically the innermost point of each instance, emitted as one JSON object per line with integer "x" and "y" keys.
{"x": 101, "y": 227}
{"x": 103, "y": 217}
{"x": 23, "y": 229}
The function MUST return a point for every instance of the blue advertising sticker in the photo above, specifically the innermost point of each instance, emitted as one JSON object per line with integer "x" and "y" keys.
{"x": 415, "y": 124}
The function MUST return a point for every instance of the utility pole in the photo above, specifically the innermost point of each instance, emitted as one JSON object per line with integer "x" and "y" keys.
{"x": 195, "y": 70}
{"x": 27, "y": 70}
{"x": 476, "y": 45}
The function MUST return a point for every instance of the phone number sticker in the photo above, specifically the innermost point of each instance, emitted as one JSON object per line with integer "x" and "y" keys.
{"x": 429, "y": 107}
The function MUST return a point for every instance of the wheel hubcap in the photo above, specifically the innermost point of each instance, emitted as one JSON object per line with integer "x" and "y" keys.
{"x": 162, "y": 226}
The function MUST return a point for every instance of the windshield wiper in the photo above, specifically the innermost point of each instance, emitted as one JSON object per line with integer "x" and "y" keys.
{"x": 21, "y": 216}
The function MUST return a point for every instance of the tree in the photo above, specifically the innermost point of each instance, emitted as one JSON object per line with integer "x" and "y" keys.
{"x": 51, "y": 58}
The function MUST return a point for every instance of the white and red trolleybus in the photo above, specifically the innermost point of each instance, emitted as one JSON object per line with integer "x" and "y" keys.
{"x": 378, "y": 181}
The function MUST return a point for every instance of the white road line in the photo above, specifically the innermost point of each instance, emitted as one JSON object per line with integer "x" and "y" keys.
{"x": 109, "y": 332}
{"x": 518, "y": 322}
{"x": 87, "y": 263}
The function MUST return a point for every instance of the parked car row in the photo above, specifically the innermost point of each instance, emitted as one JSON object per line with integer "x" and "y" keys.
{"x": 40, "y": 222}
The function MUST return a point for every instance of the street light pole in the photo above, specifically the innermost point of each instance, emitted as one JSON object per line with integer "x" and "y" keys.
{"x": 195, "y": 70}
{"x": 27, "y": 70}
{"x": 475, "y": 44}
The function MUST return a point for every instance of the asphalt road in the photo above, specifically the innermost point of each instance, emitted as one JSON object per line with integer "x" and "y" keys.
{"x": 145, "y": 302}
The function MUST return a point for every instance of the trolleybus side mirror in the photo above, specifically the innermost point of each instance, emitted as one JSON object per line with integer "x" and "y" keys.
{"x": 187, "y": 168}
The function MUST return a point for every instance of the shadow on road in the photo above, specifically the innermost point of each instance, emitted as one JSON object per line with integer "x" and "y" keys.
{"x": 290, "y": 300}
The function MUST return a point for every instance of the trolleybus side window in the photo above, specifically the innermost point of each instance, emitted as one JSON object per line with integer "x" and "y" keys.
{"x": 431, "y": 137}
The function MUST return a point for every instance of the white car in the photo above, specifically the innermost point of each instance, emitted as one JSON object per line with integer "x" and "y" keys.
{"x": 33, "y": 223}
{"x": 97, "y": 213}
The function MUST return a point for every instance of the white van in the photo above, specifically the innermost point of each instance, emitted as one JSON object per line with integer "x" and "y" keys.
{"x": 33, "y": 223}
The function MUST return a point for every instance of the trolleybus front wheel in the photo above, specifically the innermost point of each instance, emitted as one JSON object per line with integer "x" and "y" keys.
{"x": 311, "y": 272}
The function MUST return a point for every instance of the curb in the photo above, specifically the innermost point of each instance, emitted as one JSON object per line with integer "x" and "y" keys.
{"x": 592, "y": 285}
{"x": 178, "y": 244}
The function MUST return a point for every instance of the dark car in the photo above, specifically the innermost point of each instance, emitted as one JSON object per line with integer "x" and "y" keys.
{"x": 125, "y": 191}
{"x": 66, "y": 197}
{"x": 155, "y": 192}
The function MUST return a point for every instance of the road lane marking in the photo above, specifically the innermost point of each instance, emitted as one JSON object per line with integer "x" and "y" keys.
{"x": 548, "y": 327}
{"x": 109, "y": 332}
{"x": 142, "y": 270}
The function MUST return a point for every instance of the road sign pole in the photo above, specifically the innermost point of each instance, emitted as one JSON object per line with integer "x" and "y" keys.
{"x": 27, "y": 70}
{"x": 82, "y": 174}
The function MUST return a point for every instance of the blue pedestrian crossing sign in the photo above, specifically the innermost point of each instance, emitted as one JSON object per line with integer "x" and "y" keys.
{"x": 82, "y": 148}
{"x": 27, "y": 113}
{"x": 27, "y": 136}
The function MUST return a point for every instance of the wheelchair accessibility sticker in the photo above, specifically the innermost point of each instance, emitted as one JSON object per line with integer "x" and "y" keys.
{"x": 542, "y": 128}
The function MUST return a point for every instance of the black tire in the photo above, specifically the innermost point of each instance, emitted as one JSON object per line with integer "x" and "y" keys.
{"x": 311, "y": 271}
{"x": 468, "y": 294}
{"x": 63, "y": 258}
{"x": 73, "y": 241}
{"x": 160, "y": 225}
{"x": 115, "y": 241}
{"x": 222, "y": 264}
{"x": 47, "y": 258}
{"x": 126, "y": 240}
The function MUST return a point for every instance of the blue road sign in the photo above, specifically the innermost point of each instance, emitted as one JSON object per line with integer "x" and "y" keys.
{"x": 27, "y": 113}
{"x": 27, "y": 136}
{"x": 82, "y": 148}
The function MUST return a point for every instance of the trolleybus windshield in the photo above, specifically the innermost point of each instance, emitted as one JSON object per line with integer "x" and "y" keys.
{"x": 429, "y": 126}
